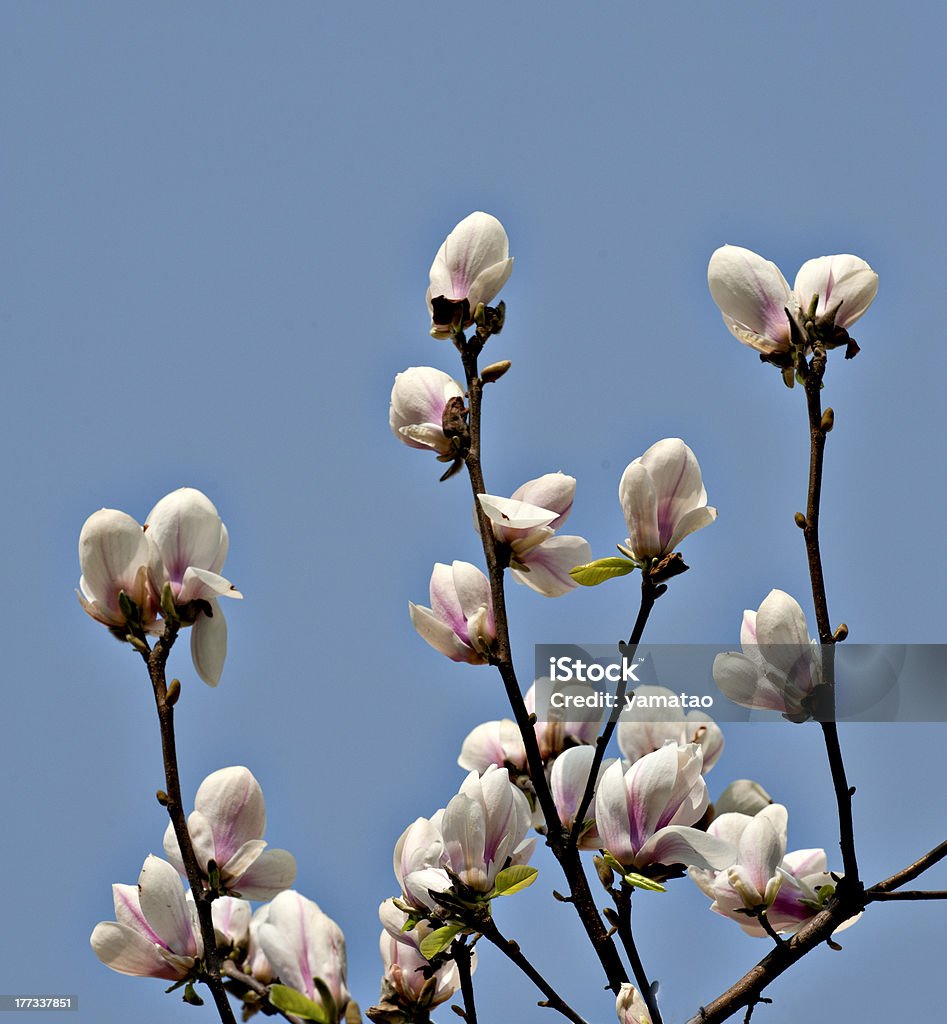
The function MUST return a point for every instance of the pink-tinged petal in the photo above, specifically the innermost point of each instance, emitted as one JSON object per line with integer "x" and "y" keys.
{"x": 187, "y": 529}
{"x": 639, "y": 503}
{"x": 760, "y": 851}
{"x": 516, "y": 515}
{"x": 555, "y": 491}
{"x": 202, "y": 584}
{"x": 845, "y": 283}
{"x": 748, "y": 629}
{"x": 209, "y": 644}
{"x": 675, "y": 476}
{"x": 161, "y": 896}
{"x": 202, "y": 841}
{"x": 442, "y": 637}
{"x": 783, "y": 640}
{"x": 805, "y": 862}
{"x": 421, "y": 845}
{"x": 631, "y": 1007}
{"x": 680, "y": 844}
{"x": 271, "y": 873}
{"x": 690, "y": 523}
{"x": 418, "y": 399}
{"x": 128, "y": 952}
{"x": 232, "y": 870}
{"x": 232, "y": 801}
{"x": 570, "y": 775}
{"x": 752, "y": 295}
{"x": 472, "y": 590}
{"x": 445, "y": 603}
{"x": 465, "y": 831}
{"x": 650, "y": 783}
{"x": 496, "y": 743}
{"x": 611, "y": 814}
{"x": 738, "y": 678}
{"x": 128, "y": 912}
{"x": 477, "y": 246}
{"x": 231, "y": 917}
{"x": 548, "y": 565}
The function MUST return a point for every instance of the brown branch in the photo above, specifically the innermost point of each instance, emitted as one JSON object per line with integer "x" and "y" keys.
{"x": 156, "y": 659}
{"x": 557, "y": 836}
{"x": 622, "y": 898}
{"x": 911, "y": 872}
{"x": 460, "y": 952}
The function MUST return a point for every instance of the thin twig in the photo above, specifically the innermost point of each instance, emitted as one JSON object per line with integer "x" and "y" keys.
{"x": 556, "y": 836}
{"x": 907, "y": 894}
{"x": 511, "y": 950}
{"x": 912, "y": 871}
{"x": 156, "y": 659}
{"x": 622, "y": 898}
{"x": 460, "y": 952}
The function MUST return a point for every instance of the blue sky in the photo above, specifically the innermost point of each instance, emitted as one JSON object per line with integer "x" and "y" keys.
{"x": 218, "y": 224}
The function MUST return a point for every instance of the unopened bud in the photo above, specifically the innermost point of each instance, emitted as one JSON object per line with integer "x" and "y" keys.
{"x": 605, "y": 874}
{"x": 162, "y": 797}
{"x": 841, "y": 633}
{"x": 174, "y": 691}
{"x": 800, "y": 520}
{"x": 493, "y": 372}
{"x": 828, "y": 420}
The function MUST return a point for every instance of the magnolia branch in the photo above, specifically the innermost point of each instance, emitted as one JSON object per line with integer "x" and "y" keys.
{"x": 156, "y": 659}
{"x": 556, "y": 836}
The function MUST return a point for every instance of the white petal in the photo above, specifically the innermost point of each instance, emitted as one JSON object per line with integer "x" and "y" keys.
{"x": 202, "y": 584}
{"x": 837, "y": 279}
{"x": 441, "y": 637}
{"x": 209, "y": 645}
{"x": 129, "y": 952}
{"x": 680, "y": 844}
{"x": 161, "y": 896}
{"x": 232, "y": 802}
{"x": 271, "y": 873}
{"x": 187, "y": 530}
{"x": 549, "y": 565}
{"x": 518, "y": 515}
{"x": 752, "y": 295}
{"x": 639, "y": 503}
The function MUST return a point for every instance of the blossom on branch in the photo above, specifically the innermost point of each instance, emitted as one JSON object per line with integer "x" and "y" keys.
{"x": 470, "y": 268}
{"x": 226, "y": 830}
{"x": 643, "y": 813}
{"x": 631, "y": 1007}
{"x": 643, "y": 729}
{"x": 122, "y": 575}
{"x": 526, "y": 523}
{"x": 780, "y": 666}
{"x": 418, "y": 400}
{"x": 460, "y": 621}
{"x": 757, "y": 302}
{"x": 155, "y": 933}
{"x": 193, "y": 542}
{"x": 663, "y": 498}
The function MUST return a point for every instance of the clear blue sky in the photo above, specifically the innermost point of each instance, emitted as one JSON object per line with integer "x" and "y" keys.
{"x": 218, "y": 221}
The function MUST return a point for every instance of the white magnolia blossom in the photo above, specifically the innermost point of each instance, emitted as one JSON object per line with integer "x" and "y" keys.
{"x": 663, "y": 498}
{"x": 231, "y": 917}
{"x": 567, "y": 782}
{"x": 418, "y": 400}
{"x": 404, "y": 979}
{"x": 115, "y": 556}
{"x": 631, "y": 1007}
{"x": 473, "y": 263}
{"x": 255, "y": 963}
{"x": 498, "y": 742}
{"x": 302, "y": 943}
{"x": 754, "y": 297}
{"x": 643, "y": 813}
{"x": 780, "y": 665}
{"x": 790, "y": 886}
{"x": 419, "y": 861}
{"x": 527, "y": 522}
{"x": 484, "y": 829}
{"x": 644, "y": 729}
{"x": 460, "y": 621}
{"x": 155, "y": 933}
{"x": 227, "y": 827}
{"x": 744, "y": 796}
{"x": 193, "y": 542}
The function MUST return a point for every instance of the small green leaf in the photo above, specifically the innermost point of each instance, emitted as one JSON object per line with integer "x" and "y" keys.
{"x": 637, "y": 881}
{"x": 439, "y": 940}
{"x": 593, "y": 573}
{"x": 291, "y": 1001}
{"x": 613, "y": 862}
{"x": 514, "y": 879}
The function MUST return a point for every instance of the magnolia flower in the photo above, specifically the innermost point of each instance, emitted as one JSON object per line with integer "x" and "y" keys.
{"x": 754, "y": 297}
{"x": 644, "y": 729}
{"x": 419, "y": 860}
{"x": 255, "y": 964}
{"x": 155, "y": 933}
{"x": 744, "y": 796}
{"x": 473, "y": 264}
{"x": 301, "y": 944}
{"x": 791, "y": 887}
{"x": 493, "y": 743}
{"x": 642, "y": 813}
{"x": 663, "y": 498}
{"x": 231, "y": 917}
{"x": 459, "y": 622}
{"x": 405, "y": 981}
{"x": 567, "y": 782}
{"x": 117, "y": 557}
{"x": 527, "y": 523}
{"x": 484, "y": 829}
{"x": 753, "y": 880}
{"x": 192, "y": 542}
{"x": 227, "y": 827}
{"x": 418, "y": 400}
{"x": 780, "y": 665}
{"x": 631, "y": 1007}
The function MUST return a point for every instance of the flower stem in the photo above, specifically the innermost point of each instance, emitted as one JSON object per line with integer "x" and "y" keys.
{"x": 460, "y": 952}
{"x": 557, "y": 837}
{"x": 622, "y": 898}
{"x": 156, "y": 659}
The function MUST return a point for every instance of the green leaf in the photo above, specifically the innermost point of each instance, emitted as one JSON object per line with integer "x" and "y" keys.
{"x": 439, "y": 940}
{"x": 514, "y": 879}
{"x": 291, "y": 1001}
{"x": 593, "y": 573}
{"x": 637, "y": 881}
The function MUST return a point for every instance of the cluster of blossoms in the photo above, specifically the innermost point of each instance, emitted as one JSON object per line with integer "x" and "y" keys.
{"x": 134, "y": 577}
{"x": 289, "y": 940}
